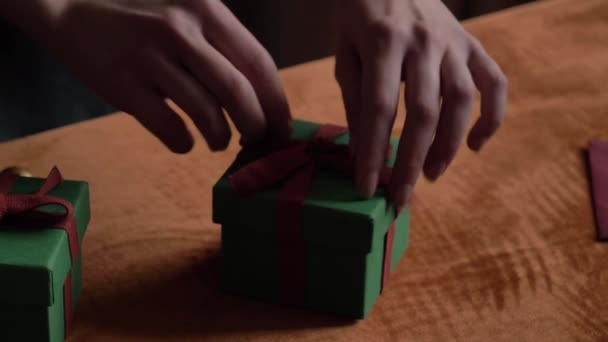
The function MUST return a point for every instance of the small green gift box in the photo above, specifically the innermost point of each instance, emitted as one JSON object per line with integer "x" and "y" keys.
{"x": 296, "y": 231}
{"x": 42, "y": 224}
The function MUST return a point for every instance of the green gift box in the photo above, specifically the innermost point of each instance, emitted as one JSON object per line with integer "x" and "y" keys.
{"x": 332, "y": 255}
{"x": 41, "y": 280}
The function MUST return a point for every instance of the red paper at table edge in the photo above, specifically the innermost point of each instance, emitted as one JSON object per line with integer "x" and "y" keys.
{"x": 598, "y": 163}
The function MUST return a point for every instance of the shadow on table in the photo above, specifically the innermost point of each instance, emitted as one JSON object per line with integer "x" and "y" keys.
{"x": 189, "y": 302}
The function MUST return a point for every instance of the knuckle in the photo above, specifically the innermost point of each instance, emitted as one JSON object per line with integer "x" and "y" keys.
{"x": 205, "y": 5}
{"x": 424, "y": 35}
{"x": 426, "y": 114}
{"x": 386, "y": 31}
{"x": 498, "y": 81}
{"x": 260, "y": 64}
{"x": 461, "y": 91}
{"x": 174, "y": 23}
{"x": 383, "y": 107}
{"x": 237, "y": 88}
{"x": 171, "y": 19}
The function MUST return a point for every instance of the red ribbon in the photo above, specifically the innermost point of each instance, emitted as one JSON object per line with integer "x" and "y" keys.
{"x": 22, "y": 211}
{"x": 296, "y": 163}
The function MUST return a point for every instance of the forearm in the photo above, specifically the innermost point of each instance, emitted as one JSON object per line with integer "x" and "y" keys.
{"x": 35, "y": 17}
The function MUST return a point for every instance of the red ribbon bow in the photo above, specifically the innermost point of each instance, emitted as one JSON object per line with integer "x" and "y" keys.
{"x": 297, "y": 163}
{"x": 22, "y": 211}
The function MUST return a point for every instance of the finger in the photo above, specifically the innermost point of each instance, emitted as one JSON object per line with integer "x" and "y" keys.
{"x": 227, "y": 84}
{"x": 152, "y": 112}
{"x": 233, "y": 90}
{"x": 422, "y": 104}
{"x": 236, "y": 43}
{"x": 381, "y": 78}
{"x": 194, "y": 99}
{"x": 492, "y": 85}
{"x": 348, "y": 75}
{"x": 457, "y": 101}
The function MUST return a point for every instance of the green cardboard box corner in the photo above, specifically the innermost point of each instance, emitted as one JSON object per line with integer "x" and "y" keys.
{"x": 344, "y": 239}
{"x": 34, "y": 264}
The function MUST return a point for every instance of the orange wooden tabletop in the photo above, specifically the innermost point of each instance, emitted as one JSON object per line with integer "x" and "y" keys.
{"x": 502, "y": 248}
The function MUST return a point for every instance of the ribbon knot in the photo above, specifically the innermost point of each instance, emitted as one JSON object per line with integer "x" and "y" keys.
{"x": 23, "y": 211}
{"x": 297, "y": 160}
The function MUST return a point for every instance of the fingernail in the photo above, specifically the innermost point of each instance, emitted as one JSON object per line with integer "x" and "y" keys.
{"x": 216, "y": 146}
{"x": 368, "y": 184}
{"x": 479, "y": 144}
{"x": 436, "y": 171}
{"x": 213, "y": 148}
{"x": 182, "y": 145}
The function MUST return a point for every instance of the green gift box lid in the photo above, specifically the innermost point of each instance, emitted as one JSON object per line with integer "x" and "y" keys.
{"x": 35, "y": 261}
{"x": 334, "y": 213}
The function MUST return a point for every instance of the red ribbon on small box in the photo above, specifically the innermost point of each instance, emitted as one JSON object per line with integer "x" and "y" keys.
{"x": 296, "y": 163}
{"x": 22, "y": 211}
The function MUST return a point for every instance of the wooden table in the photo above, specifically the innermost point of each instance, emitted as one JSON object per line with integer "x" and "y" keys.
{"x": 502, "y": 248}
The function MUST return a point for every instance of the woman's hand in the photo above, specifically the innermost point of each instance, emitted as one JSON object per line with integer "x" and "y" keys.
{"x": 135, "y": 54}
{"x": 384, "y": 42}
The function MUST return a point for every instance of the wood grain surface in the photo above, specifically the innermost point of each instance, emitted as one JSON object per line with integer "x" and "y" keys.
{"x": 503, "y": 247}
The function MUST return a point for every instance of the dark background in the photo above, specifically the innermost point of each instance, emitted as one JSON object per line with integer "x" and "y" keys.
{"x": 38, "y": 93}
